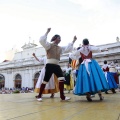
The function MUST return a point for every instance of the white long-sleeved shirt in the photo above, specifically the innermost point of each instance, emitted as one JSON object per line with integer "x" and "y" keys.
{"x": 65, "y": 49}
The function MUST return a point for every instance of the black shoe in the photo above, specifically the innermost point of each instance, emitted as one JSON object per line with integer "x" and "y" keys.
{"x": 36, "y": 96}
{"x": 52, "y": 96}
{"x": 113, "y": 90}
{"x": 106, "y": 92}
{"x": 101, "y": 97}
{"x": 89, "y": 98}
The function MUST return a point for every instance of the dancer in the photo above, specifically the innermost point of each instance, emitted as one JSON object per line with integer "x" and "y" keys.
{"x": 52, "y": 86}
{"x": 90, "y": 79}
{"x": 53, "y": 56}
{"x": 109, "y": 77}
{"x": 73, "y": 72}
{"x": 78, "y": 62}
{"x": 113, "y": 69}
{"x": 76, "y": 66}
{"x": 68, "y": 84}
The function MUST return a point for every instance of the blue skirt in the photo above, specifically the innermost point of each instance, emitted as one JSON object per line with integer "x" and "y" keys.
{"x": 92, "y": 83}
{"x": 111, "y": 81}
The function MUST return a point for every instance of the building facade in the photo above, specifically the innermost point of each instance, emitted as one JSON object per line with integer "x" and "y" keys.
{"x": 23, "y": 70}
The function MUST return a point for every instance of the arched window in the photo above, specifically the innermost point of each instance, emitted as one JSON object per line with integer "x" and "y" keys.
{"x": 36, "y": 78}
{"x": 36, "y": 75}
{"x": 2, "y": 77}
{"x": 18, "y": 81}
{"x": 2, "y": 81}
{"x": 18, "y": 77}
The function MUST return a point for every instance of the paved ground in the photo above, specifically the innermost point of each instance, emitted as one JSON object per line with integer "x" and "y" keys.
{"x": 24, "y": 106}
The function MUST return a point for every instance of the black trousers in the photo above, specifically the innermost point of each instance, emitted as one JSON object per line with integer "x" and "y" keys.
{"x": 50, "y": 69}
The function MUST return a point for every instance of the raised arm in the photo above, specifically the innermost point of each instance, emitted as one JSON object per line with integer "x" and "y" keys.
{"x": 35, "y": 57}
{"x": 69, "y": 47}
{"x": 48, "y": 30}
{"x": 97, "y": 49}
{"x": 74, "y": 39}
{"x": 43, "y": 40}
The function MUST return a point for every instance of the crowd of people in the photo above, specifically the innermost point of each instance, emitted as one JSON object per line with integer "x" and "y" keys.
{"x": 16, "y": 90}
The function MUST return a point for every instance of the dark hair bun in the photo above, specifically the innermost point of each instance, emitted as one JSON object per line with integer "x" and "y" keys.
{"x": 85, "y": 41}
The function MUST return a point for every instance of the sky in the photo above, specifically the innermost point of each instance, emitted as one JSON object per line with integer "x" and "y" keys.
{"x": 24, "y": 21}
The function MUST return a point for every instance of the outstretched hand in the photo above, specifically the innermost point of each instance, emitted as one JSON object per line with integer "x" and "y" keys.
{"x": 74, "y": 39}
{"x": 33, "y": 54}
{"x": 48, "y": 30}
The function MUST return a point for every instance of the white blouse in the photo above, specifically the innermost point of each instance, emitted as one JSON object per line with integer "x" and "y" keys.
{"x": 105, "y": 66}
{"x": 84, "y": 50}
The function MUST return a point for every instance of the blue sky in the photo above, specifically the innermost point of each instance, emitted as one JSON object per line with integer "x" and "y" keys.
{"x": 97, "y": 20}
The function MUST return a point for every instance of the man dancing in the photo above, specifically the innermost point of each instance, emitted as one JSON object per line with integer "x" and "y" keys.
{"x": 53, "y": 52}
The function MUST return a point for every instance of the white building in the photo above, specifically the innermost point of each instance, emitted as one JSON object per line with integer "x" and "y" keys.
{"x": 23, "y": 69}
